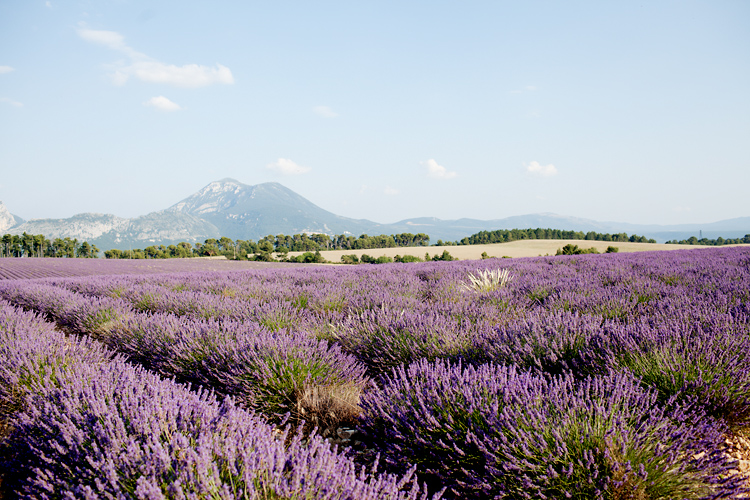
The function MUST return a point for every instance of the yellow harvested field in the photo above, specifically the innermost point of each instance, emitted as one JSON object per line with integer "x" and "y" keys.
{"x": 521, "y": 248}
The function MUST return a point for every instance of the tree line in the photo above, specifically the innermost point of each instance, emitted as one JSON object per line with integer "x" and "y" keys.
{"x": 36, "y": 245}
{"x": 27, "y": 245}
{"x": 717, "y": 242}
{"x": 506, "y": 235}
{"x": 264, "y": 248}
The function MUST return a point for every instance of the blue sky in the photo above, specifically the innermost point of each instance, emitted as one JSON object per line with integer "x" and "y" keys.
{"x": 382, "y": 110}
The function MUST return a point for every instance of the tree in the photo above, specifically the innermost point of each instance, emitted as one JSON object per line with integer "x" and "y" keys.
{"x": 350, "y": 259}
{"x": 113, "y": 254}
{"x": 263, "y": 252}
{"x": 7, "y": 242}
{"x": 444, "y": 256}
{"x": 84, "y": 250}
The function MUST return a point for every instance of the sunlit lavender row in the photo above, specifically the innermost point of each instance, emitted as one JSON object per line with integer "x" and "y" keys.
{"x": 80, "y": 422}
{"x": 12, "y": 268}
{"x": 595, "y": 376}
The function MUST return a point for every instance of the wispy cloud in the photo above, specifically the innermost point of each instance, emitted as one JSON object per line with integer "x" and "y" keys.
{"x": 150, "y": 70}
{"x": 527, "y": 88}
{"x": 162, "y": 103}
{"x": 286, "y": 166}
{"x": 11, "y": 102}
{"x": 389, "y": 191}
{"x": 437, "y": 171}
{"x": 534, "y": 168}
{"x": 6, "y": 69}
{"x": 325, "y": 112}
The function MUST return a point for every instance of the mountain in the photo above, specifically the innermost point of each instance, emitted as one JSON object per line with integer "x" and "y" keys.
{"x": 240, "y": 211}
{"x": 7, "y": 219}
{"x": 251, "y": 212}
{"x": 109, "y": 231}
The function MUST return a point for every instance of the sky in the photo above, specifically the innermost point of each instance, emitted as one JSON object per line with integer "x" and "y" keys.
{"x": 622, "y": 111}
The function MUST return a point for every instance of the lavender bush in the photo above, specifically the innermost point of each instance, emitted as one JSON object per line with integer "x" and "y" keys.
{"x": 553, "y": 342}
{"x": 91, "y": 427}
{"x": 274, "y": 372}
{"x": 698, "y": 363}
{"x": 495, "y": 432}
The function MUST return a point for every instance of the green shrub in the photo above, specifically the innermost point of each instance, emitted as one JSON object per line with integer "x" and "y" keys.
{"x": 350, "y": 259}
{"x": 445, "y": 256}
{"x": 407, "y": 258}
{"x": 570, "y": 249}
{"x": 309, "y": 258}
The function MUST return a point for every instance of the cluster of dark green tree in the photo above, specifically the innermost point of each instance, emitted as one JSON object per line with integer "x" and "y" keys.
{"x": 506, "y": 235}
{"x": 209, "y": 248}
{"x": 266, "y": 246}
{"x": 36, "y": 245}
{"x": 366, "y": 259}
{"x": 717, "y": 242}
{"x": 574, "y": 250}
{"x": 305, "y": 243}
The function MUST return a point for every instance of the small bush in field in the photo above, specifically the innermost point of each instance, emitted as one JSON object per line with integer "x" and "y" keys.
{"x": 407, "y": 258}
{"x": 350, "y": 259}
{"x": 574, "y": 250}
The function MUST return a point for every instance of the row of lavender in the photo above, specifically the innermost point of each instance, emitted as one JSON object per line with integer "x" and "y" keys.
{"x": 80, "y": 422}
{"x": 584, "y": 346}
{"x": 16, "y": 268}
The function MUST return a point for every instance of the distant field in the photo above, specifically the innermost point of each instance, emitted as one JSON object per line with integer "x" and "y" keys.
{"x": 521, "y": 248}
{"x": 32, "y": 268}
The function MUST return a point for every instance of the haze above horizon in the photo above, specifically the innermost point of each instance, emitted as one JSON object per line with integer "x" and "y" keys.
{"x": 381, "y": 111}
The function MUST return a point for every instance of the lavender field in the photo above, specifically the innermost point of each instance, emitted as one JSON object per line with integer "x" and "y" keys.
{"x": 611, "y": 376}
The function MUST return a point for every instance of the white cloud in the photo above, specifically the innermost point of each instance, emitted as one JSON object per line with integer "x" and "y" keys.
{"x": 437, "y": 171}
{"x": 538, "y": 170}
{"x": 162, "y": 103}
{"x": 48, "y": 4}
{"x": 527, "y": 88}
{"x": 110, "y": 39}
{"x": 6, "y": 69}
{"x": 150, "y": 70}
{"x": 11, "y": 102}
{"x": 286, "y": 166}
{"x": 189, "y": 75}
{"x": 389, "y": 191}
{"x": 325, "y": 112}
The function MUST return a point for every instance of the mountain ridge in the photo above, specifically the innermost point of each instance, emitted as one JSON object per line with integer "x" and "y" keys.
{"x": 230, "y": 208}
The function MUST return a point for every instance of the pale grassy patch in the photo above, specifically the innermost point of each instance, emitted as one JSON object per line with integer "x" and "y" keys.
{"x": 487, "y": 280}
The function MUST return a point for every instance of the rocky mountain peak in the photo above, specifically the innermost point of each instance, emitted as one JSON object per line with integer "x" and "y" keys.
{"x": 7, "y": 220}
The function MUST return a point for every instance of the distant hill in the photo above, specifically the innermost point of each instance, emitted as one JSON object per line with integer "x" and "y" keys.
{"x": 240, "y": 211}
{"x": 245, "y": 212}
{"x": 7, "y": 219}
